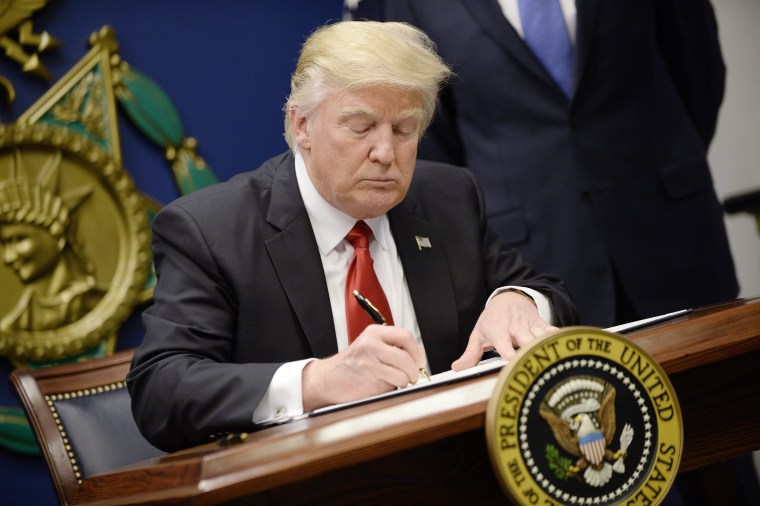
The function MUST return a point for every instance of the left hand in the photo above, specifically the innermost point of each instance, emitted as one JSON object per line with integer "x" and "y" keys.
{"x": 510, "y": 320}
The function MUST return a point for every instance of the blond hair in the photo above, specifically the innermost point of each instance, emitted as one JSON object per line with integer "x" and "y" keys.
{"x": 355, "y": 54}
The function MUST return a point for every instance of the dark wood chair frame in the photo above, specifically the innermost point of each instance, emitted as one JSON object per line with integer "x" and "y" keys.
{"x": 40, "y": 389}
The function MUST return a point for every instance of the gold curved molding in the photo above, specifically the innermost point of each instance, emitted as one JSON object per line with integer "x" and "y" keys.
{"x": 108, "y": 229}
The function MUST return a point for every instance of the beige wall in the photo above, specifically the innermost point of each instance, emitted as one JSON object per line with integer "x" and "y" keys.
{"x": 735, "y": 151}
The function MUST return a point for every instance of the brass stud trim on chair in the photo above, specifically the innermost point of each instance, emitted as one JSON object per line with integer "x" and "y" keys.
{"x": 53, "y": 398}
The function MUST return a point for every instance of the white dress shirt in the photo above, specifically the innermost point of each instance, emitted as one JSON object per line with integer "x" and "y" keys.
{"x": 283, "y": 398}
{"x": 511, "y": 11}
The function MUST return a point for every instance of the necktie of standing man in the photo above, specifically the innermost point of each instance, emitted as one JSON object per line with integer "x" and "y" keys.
{"x": 545, "y": 33}
{"x": 362, "y": 278}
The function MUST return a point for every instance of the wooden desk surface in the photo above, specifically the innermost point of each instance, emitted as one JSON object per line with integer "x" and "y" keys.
{"x": 710, "y": 355}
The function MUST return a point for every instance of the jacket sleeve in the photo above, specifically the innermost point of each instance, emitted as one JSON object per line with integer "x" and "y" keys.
{"x": 506, "y": 266}
{"x": 184, "y": 389}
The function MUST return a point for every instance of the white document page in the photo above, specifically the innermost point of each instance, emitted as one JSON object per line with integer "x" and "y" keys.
{"x": 485, "y": 366}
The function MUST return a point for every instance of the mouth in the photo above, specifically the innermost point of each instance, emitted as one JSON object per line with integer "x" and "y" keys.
{"x": 379, "y": 181}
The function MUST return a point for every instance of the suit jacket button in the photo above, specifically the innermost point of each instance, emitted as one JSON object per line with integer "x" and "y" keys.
{"x": 576, "y": 123}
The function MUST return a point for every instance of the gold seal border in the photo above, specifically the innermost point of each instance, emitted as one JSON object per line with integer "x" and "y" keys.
{"x": 127, "y": 284}
{"x": 509, "y": 466}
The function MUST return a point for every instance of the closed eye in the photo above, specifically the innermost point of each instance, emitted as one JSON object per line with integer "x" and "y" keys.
{"x": 359, "y": 130}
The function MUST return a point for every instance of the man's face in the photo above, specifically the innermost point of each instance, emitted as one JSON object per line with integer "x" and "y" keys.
{"x": 30, "y": 250}
{"x": 360, "y": 148}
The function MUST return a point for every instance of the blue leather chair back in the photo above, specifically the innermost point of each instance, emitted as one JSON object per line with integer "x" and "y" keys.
{"x": 100, "y": 429}
{"x": 81, "y": 416}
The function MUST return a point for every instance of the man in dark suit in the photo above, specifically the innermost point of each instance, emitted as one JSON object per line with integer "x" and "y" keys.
{"x": 249, "y": 324}
{"x": 604, "y": 183}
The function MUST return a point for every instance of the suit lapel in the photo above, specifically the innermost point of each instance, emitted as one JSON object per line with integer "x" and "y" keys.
{"x": 427, "y": 275}
{"x": 298, "y": 266}
{"x": 489, "y": 16}
{"x": 297, "y": 261}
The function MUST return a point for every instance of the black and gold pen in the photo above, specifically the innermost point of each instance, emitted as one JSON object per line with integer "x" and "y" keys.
{"x": 378, "y": 318}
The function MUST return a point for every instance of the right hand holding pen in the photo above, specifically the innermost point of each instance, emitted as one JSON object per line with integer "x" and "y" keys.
{"x": 380, "y": 359}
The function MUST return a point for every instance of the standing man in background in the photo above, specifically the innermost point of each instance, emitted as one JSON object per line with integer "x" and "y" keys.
{"x": 588, "y": 125}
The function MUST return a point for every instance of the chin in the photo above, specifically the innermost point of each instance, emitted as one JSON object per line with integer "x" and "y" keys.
{"x": 372, "y": 203}
{"x": 378, "y": 209}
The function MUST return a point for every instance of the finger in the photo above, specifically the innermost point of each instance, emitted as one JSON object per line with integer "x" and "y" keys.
{"x": 424, "y": 363}
{"x": 393, "y": 376}
{"x": 505, "y": 348}
{"x": 391, "y": 346}
{"x": 397, "y": 358}
{"x": 403, "y": 339}
{"x": 524, "y": 337}
{"x": 540, "y": 328}
{"x": 472, "y": 354}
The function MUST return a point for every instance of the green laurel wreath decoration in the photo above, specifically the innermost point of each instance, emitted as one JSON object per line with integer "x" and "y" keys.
{"x": 151, "y": 109}
{"x": 560, "y": 465}
{"x": 15, "y": 432}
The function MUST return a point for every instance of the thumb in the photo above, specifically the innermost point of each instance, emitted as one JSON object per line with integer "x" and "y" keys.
{"x": 471, "y": 356}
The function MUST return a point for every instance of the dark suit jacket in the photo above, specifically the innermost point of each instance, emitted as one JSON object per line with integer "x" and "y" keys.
{"x": 241, "y": 290}
{"x": 614, "y": 183}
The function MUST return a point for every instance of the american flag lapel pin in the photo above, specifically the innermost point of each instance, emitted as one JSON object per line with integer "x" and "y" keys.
{"x": 422, "y": 242}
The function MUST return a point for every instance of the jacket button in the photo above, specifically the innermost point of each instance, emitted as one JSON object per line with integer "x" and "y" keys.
{"x": 576, "y": 123}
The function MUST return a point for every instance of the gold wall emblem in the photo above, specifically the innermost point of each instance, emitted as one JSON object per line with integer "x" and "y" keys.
{"x": 584, "y": 416}
{"x": 15, "y": 14}
{"x": 74, "y": 241}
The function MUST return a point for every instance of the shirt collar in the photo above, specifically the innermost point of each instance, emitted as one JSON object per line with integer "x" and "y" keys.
{"x": 331, "y": 225}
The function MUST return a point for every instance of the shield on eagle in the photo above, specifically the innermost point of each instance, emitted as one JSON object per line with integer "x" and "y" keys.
{"x": 593, "y": 446}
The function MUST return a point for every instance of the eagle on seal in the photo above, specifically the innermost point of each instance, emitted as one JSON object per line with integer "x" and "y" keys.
{"x": 581, "y": 415}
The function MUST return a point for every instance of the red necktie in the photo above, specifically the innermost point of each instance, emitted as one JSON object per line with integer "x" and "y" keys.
{"x": 362, "y": 278}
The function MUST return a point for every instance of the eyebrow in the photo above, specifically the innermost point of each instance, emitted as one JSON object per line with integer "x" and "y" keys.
{"x": 414, "y": 112}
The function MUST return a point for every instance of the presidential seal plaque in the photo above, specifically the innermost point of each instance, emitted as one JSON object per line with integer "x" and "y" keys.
{"x": 584, "y": 416}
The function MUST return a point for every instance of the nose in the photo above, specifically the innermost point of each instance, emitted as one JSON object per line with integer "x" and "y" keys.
{"x": 383, "y": 150}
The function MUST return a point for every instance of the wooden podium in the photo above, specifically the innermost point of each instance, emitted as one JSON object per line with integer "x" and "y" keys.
{"x": 428, "y": 447}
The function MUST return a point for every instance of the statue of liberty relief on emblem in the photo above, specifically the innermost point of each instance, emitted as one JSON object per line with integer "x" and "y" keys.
{"x": 581, "y": 414}
{"x": 37, "y": 221}
{"x": 74, "y": 244}
{"x": 74, "y": 230}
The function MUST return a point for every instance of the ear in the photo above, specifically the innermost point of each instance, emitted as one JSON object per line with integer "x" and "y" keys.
{"x": 300, "y": 126}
